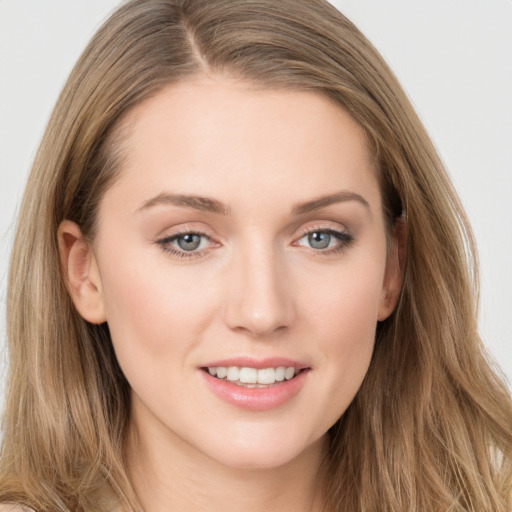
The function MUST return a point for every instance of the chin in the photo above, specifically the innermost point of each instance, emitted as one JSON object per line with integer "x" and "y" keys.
{"x": 255, "y": 461}
{"x": 263, "y": 452}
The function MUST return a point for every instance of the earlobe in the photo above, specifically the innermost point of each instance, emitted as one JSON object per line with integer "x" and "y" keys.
{"x": 81, "y": 273}
{"x": 393, "y": 277}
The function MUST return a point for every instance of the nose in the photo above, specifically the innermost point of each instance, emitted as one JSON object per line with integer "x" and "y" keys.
{"x": 260, "y": 298}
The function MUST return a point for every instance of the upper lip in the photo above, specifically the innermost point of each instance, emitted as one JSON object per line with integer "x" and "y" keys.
{"x": 249, "y": 362}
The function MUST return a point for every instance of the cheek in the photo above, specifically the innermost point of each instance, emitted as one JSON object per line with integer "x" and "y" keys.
{"x": 344, "y": 303}
{"x": 343, "y": 318}
{"x": 153, "y": 312}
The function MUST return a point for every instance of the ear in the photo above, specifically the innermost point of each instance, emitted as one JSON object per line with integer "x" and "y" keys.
{"x": 81, "y": 273}
{"x": 394, "y": 270}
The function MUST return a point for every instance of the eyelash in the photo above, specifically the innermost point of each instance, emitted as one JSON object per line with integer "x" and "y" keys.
{"x": 344, "y": 239}
{"x": 165, "y": 244}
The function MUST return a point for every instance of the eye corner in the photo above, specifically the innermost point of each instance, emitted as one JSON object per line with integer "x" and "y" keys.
{"x": 331, "y": 241}
{"x": 195, "y": 244}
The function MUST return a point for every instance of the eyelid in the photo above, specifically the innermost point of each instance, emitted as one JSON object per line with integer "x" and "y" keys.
{"x": 344, "y": 237}
{"x": 166, "y": 240}
{"x": 321, "y": 226}
{"x": 184, "y": 228}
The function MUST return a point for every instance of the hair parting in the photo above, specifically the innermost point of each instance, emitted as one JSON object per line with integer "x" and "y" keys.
{"x": 431, "y": 427}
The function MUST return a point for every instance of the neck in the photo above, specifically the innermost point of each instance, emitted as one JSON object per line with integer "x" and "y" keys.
{"x": 174, "y": 476}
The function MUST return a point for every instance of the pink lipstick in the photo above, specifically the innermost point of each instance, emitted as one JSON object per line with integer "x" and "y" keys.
{"x": 255, "y": 385}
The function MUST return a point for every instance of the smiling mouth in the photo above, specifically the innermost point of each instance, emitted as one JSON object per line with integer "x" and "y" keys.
{"x": 252, "y": 377}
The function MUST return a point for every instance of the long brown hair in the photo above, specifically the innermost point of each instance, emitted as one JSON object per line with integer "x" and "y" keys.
{"x": 431, "y": 426}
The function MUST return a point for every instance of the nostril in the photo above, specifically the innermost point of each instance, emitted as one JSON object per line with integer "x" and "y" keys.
{"x": 258, "y": 303}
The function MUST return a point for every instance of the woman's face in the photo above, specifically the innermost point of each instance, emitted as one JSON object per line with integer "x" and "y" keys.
{"x": 244, "y": 235}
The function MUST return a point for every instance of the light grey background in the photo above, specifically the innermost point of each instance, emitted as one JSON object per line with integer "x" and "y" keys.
{"x": 454, "y": 58}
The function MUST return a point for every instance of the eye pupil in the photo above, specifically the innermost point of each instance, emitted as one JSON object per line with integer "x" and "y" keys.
{"x": 189, "y": 242}
{"x": 319, "y": 240}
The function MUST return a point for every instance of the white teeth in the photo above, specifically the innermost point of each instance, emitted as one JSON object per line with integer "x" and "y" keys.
{"x": 233, "y": 373}
{"x": 249, "y": 375}
{"x": 266, "y": 376}
{"x": 280, "y": 371}
{"x": 253, "y": 377}
{"x": 289, "y": 373}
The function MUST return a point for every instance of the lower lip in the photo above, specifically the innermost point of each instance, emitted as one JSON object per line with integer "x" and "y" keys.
{"x": 256, "y": 399}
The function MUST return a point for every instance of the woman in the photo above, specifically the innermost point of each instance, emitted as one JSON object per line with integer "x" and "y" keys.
{"x": 242, "y": 278}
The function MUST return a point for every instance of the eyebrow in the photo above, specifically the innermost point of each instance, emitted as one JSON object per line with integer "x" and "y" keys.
{"x": 324, "y": 201}
{"x": 204, "y": 204}
{"x": 208, "y": 204}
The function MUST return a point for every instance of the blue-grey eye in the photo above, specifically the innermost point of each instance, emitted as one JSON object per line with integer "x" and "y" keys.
{"x": 319, "y": 239}
{"x": 326, "y": 241}
{"x": 188, "y": 242}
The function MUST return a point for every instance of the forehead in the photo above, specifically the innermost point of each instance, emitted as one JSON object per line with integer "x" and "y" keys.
{"x": 215, "y": 136}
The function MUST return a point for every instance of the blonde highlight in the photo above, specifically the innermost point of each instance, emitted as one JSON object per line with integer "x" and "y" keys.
{"x": 431, "y": 427}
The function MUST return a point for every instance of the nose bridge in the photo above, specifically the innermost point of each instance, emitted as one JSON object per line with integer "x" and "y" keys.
{"x": 259, "y": 300}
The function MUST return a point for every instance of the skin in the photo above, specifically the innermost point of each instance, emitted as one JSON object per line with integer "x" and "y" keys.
{"x": 255, "y": 287}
